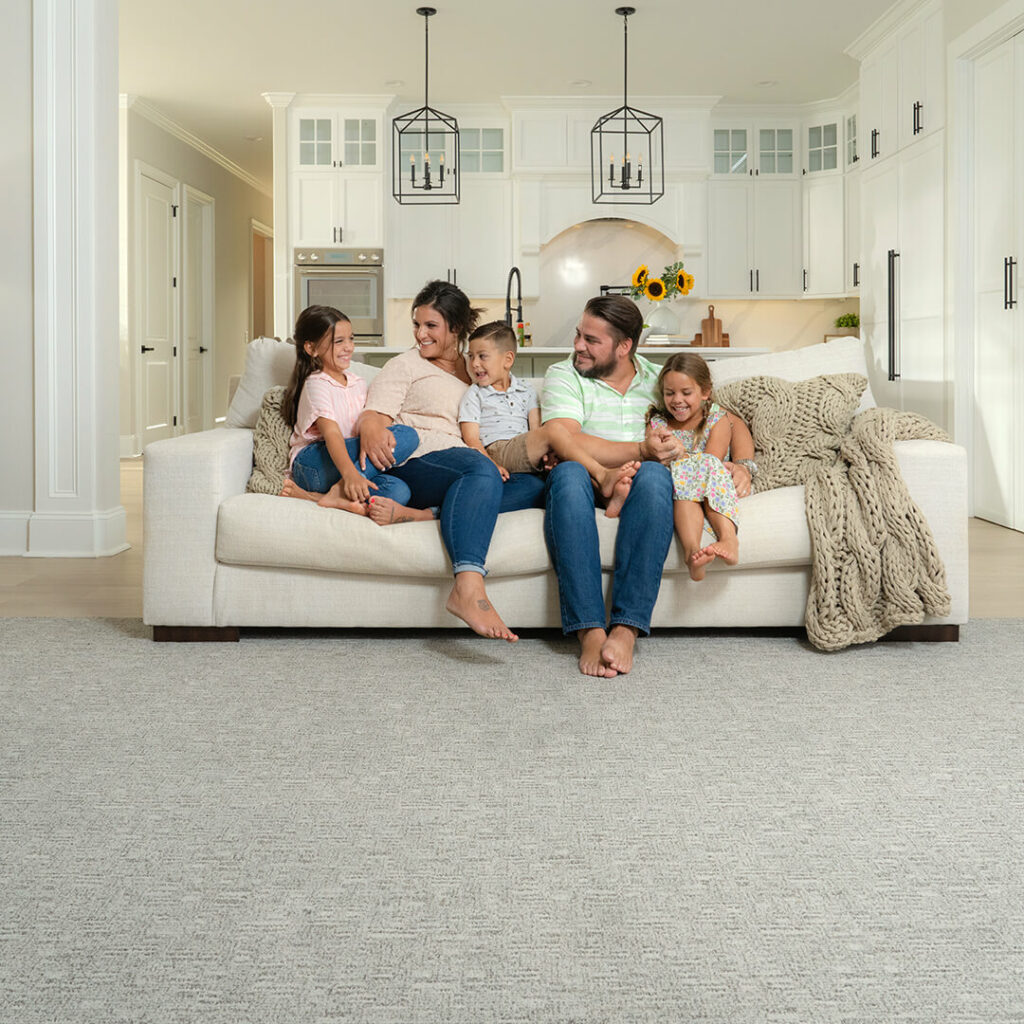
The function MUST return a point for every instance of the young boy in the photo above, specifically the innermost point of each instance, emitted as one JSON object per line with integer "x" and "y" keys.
{"x": 500, "y": 416}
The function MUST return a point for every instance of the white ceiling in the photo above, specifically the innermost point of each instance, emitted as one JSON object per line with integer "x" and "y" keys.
{"x": 204, "y": 63}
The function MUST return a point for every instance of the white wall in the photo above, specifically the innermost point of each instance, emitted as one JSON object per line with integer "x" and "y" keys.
{"x": 236, "y": 203}
{"x": 16, "y": 295}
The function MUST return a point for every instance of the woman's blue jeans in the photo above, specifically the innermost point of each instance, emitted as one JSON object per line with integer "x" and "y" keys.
{"x": 469, "y": 489}
{"x": 314, "y": 469}
{"x": 641, "y": 546}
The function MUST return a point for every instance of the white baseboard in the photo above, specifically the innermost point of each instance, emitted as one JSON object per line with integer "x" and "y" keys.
{"x": 14, "y": 532}
{"x": 76, "y": 534}
{"x": 130, "y": 447}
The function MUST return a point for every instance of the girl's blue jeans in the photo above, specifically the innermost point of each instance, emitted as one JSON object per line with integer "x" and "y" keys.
{"x": 641, "y": 545}
{"x": 469, "y": 489}
{"x": 314, "y": 469}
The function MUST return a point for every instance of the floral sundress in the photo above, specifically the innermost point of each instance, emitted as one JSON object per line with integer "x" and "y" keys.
{"x": 698, "y": 476}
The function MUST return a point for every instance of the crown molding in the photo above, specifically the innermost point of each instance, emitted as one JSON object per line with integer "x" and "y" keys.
{"x": 156, "y": 116}
{"x": 278, "y": 99}
{"x": 877, "y": 32}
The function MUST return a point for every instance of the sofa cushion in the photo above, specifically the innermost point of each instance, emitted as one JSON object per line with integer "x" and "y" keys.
{"x": 797, "y": 426}
{"x": 846, "y": 355}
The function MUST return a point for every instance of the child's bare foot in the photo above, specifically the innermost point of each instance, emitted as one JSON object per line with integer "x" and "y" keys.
{"x": 697, "y": 562}
{"x": 620, "y": 489}
{"x": 335, "y": 498}
{"x": 617, "y": 652}
{"x": 728, "y": 550}
{"x": 292, "y": 490}
{"x": 591, "y": 662}
{"x": 385, "y": 511}
{"x": 468, "y": 601}
{"x": 610, "y": 477}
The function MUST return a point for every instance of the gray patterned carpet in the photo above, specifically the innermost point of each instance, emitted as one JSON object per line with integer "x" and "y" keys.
{"x": 320, "y": 828}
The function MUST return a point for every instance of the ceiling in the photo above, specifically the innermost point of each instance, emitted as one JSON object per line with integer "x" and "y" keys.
{"x": 205, "y": 63}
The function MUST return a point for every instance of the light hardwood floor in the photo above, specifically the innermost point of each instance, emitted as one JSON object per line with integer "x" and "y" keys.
{"x": 70, "y": 588}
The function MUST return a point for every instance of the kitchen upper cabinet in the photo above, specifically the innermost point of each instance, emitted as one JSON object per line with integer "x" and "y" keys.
{"x": 901, "y": 292}
{"x": 336, "y": 210}
{"x": 755, "y": 242}
{"x": 769, "y": 149}
{"x": 823, "y": 152}
{"x": 902, "y": 94}
{"x": 469, "y": 244}
{"x": 851, "y": 199}
{"x": 824, "y": 237}
{"x": 325, "y": 140}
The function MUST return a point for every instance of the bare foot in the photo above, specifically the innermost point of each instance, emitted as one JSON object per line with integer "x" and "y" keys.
{"x": 292, "y": 490}
{"x": 617, "y": 652}
{"x": 620, "y": 489}
{"x": 335, "y": 498}
{"x": 384, "y": 512}
{"x": 728, "y": 550}
{"x": 698, "y": 561}
{"x": 468, "y": 601}
{"x": 591, "y": 662}
{"x": 610, "y": 477}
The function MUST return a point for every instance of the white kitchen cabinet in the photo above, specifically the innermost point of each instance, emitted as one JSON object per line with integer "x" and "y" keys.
{"x": 336, "y": 209}
{"x": 324, "y": 139}
{"x": 902, "y": 94}
{"x": 765, "y": 149}
{"x": 901, "y": 290}
{"x": 755, "y": 243}
{"x": 824, "y": 237}
{"x": 469, "y": 244}
{"x": 851, "y": 202}
{"x": 998, "y": 227}
{"x": 823, "y": 146}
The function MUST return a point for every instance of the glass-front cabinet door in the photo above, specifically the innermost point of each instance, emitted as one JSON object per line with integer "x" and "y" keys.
{"x": 823, "y": 147}
{"x": 327, "y": 139}
{"x": 731, "y": 154}
{"x": 755, "y": 150}
{"x": 316, "y": 142}
{"x": 851, "y": 140}
{"x": 775, "y": 150}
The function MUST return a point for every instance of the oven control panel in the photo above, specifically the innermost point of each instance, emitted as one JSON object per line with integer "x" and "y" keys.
{"x": 339, "y": 257}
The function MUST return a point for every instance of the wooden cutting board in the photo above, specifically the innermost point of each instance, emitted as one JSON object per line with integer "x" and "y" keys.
{"x": 711, "y": 335}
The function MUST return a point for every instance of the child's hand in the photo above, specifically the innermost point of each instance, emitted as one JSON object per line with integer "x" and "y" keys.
{"x": 503, "y": 471}
{"x": 356, "y": 486}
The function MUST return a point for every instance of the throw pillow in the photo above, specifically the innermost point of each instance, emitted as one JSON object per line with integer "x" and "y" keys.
{"x": 268, "y": 362}
{"x": 270, "y": 446}
{"x": 797, "y": 426}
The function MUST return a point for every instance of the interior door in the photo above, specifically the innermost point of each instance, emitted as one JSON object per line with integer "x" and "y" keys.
{"x": 155, "y": 274}
{"x": 197, "y": 311}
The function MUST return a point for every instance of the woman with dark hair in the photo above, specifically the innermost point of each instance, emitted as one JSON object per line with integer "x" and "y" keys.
{"x": 422, "y": 389}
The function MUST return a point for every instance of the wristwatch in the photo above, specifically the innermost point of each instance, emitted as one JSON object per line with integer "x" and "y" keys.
{"x": 750, "y": 464}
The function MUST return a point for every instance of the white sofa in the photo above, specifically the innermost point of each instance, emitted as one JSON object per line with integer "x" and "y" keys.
{"x": 218, "y": 558}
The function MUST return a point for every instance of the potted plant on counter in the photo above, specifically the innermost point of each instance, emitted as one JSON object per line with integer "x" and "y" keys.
{"x": 847, "y": 325}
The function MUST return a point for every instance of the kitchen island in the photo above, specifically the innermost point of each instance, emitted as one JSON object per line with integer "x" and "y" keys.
{"x": 533, "y": 360}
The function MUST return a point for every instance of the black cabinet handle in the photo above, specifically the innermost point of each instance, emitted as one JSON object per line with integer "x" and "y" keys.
{"x": 1008, "y": 300}
{"x": 148, "y": 348}
{"x": 805, "y": 279}
{"x": 918, "y": 126}
{"x": 751, "y": 280}
{"x": 893, "y": 257}
{"x": 874, "y": 143}
{"x": 757, "y": 280}
{"x": 856, "y": 275}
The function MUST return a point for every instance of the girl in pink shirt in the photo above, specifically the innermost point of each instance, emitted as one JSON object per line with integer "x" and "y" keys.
{"x": 322, "y": 403}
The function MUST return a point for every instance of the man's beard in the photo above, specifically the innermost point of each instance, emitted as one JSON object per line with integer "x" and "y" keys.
{"x": 597, "y": 371}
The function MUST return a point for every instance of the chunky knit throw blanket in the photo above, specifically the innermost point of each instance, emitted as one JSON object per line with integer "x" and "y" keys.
{"x": 875, "y": 565}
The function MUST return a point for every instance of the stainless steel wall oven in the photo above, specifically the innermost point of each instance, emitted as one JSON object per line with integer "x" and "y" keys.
{"x": 351, "y": 280}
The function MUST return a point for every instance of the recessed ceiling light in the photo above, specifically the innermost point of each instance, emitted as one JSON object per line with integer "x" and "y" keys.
{"x": 254, "y": 138}
{"x": 394, "y": 83}
{"x": 767, "y": 83}
{"x": 581, "y": 83}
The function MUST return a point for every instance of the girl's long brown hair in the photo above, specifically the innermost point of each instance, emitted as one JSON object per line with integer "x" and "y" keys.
{"x": 699, "y": 372}
{"x": 314, "y": 324}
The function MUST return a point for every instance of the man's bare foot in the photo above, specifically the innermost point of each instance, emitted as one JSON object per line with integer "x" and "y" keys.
{"x": 385, "y": 511}
{"x": 292, "y": 490}
{"x": 617, "y": 652}
{"x": 591, "y": 662}
{"x": 611, "y": 476}
{"x": 620, "y": 489}
{"x": 335, "y": 498}
{"x": 468, "y": 601}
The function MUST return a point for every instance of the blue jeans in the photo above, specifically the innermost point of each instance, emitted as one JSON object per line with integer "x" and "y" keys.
{"x": 644, "y": 535}
{"x": 468, "y": 488}
{"x": 314, "y": 469}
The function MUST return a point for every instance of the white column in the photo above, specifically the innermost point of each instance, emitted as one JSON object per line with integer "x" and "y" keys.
{"x": 75, "y": 206}
{"x": 279, "y": 102}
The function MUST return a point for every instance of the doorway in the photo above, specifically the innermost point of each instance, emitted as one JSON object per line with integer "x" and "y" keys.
{"x": 261, "y": 281}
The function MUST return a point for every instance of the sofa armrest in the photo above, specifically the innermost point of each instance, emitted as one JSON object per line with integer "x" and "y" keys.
{"x": 185, "y": 479}
{"x": 936, "y": 476}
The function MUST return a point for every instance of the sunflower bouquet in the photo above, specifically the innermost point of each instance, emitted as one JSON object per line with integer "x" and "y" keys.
{"x": 673, "y": 281}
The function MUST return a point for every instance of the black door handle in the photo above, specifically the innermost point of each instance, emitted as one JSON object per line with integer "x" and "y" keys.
{"x": 148, "y": 348}
{"x": 202, "y": 348}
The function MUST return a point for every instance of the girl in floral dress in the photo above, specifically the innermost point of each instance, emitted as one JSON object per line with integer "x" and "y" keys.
{"x": 702, "y": 484}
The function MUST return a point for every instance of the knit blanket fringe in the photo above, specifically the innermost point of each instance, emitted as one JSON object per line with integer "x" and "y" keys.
{"x": 875, "y": 565}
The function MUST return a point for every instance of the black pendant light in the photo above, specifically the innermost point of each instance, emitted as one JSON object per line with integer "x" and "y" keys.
{"x": 627, "y": 148}
{"x": 425, "y": 155}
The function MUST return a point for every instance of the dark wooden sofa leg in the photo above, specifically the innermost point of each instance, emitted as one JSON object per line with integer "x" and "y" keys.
{"x": 926, "y": 634}
{"x": 195, "y": 634}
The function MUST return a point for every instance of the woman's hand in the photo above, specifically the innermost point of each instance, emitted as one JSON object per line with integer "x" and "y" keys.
{"x": 741, "y": 478}
{"x": 376, "y": 442}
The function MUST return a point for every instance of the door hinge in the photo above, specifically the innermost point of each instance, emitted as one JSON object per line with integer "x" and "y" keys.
{"x": 175, "y": 352}
{"x": 174, "y": 210}
{"x": 175, "y": 423}
{"x": 174, "y": 282}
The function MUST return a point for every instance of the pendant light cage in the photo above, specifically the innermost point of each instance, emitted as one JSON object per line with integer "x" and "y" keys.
{"x": 425, "y": 147}
{"x": 627, "y": 147}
